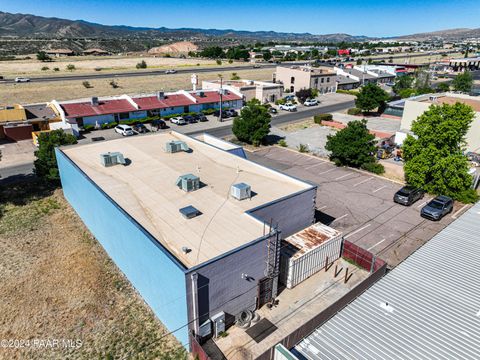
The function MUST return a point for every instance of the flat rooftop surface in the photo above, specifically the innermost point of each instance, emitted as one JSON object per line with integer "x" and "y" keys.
{"x": 451, "y": 100}
{"x": 146, "y": 190}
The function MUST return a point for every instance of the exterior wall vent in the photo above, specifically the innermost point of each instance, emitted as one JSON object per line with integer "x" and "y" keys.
{"x": 188, "y": 182}
{"x": 112, "y": 158}
{"x": 189, "y": 212}
{"x": 94, "y": 101}
{"x": 176, "y": 146}
{"x": 241, "y": 191}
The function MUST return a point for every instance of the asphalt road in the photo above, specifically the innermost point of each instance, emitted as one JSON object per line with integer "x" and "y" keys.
{"x": 11, "y": 174}
{"x": 140, "y": 73}
{"x": 282, "y": 118}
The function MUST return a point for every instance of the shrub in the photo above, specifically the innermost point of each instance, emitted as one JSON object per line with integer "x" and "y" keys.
{"x": 141, "y": 65}
{"x": 280, "y": 102}
{"x": 349, "y": 92}
{"x": 70, "y": 67}
{"x": 109, "y": 125}
{"x": 230, "y": 61}
{"x": 114, "y": 84}
{"x": 43, "y": 56}
{"x": 98, "y": 69}
{"x": 88, "y": 127}
{"x": 235, "y": 76}
{"x": 468, "y": 196}
{"x": 45, "y": 68}
{"x": 354, "y": 111}
{"x": 322, "y": 117}
{"x": 56, "y": 69}
{"x": 87, "y": 85}
{"x": 302, "y": 148}
{"x": 373, "y": 167}
{"x": 208, "y": 111}
{"x": 219, "y": 62}
{"x": 282, "y": 143}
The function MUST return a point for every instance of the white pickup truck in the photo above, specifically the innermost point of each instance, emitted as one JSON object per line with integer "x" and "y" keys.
{"x": 288, "y": 107}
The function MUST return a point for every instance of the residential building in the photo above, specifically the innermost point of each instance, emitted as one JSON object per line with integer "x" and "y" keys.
{"x": 346, "y": 83}
{"x": 261, "y": 90}
{"x": 59, "y": 52}
{"x": 17, "y": 122}
{"x": 416, "y": 106}
{"x": 193, "y": 226}
{"x": 425, "y": 308}
{"x": 295, "y": 78}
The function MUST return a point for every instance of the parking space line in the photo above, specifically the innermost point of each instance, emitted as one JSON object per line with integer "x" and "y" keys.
{"x": 357, "y": 231}
{"x": 363, "y": 182}
{"x": 343, "y": 176}
{"x": 423, "y": 203}
{"x": 312, "y": 166}
{"x": 378, "y": 243}
{"x": 380, "y": 188}
{"x": 324, "y": 172}
{"x": 341, "y": 217}
{"x": 454, "y": 216}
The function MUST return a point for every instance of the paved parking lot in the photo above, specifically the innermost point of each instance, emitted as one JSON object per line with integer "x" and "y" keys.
{"x": 360, "y": 205}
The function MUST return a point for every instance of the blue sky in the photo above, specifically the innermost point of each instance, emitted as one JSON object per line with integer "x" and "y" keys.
{"x": 368, "y": 17}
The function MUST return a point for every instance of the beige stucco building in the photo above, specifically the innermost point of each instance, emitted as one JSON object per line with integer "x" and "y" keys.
{"x": 264, "y": 91}
{"x": 295, "y": 78}
{"x": 417, "y": 106}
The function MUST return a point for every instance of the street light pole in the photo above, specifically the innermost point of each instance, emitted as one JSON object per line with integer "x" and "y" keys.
{"x": 221, "y": 97}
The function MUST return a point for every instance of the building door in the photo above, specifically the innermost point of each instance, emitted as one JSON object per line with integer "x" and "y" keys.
{"x": 265, "y": 286}
{"x": 186, "y": 109}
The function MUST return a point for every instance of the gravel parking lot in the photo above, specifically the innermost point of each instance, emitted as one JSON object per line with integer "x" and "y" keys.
{"x": 360, "y": 205}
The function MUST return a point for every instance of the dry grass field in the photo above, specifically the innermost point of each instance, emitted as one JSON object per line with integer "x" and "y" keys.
{"x": 58, "y": 283}
{"x": 25, "y": 93}
{"x": 85, "y": 65}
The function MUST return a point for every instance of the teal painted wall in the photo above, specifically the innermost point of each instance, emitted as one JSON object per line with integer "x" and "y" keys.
{"x": 156, "y": 275}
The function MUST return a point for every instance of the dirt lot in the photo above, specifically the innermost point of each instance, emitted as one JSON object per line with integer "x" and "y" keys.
{"x": 25, "y": 93}
{"x": 58, "y": 284}
{"x": 84, "y": 65}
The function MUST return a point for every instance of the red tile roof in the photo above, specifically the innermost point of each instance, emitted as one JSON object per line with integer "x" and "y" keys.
{"x": 104, "y": 107}
{"x": 213, "y": 97}
{"x": 171, "y": 100}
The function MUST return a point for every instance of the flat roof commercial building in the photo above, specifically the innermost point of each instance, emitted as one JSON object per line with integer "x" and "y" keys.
{"x": 428, "y": 307}
{"x": 189, "y": 266}
{"x": 295, "y": 78}
{"x": 263, "y": 91}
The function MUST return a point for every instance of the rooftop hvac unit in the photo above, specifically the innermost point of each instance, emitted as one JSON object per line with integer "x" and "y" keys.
{"x": 176, "y": 146}
{"x": 189, "y": 212}
{"x": 112, "y": 158}
{"x": 188, "y": 182}
{"x": 241, "y": 191}
{"x": 160, "y": 95}
{"x": 94, "y": 101}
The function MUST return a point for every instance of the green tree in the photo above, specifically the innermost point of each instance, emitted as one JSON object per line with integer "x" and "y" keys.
{"x": 463, "y": 82}
{"x": 142, "y": 65}
{"x": 234, "y": 76}
{"x": 212, "y": 52}
{"x": 46, "y": 162}
{"x": 434, "y": 158}
{"x": 371, "y": 97}
{"x": 303, "y": 94}
{"x": 352, "y": 146}
{"x": 267, "y": 55}
{"x": 402, "y": 83}
{"x": 70, "y": 67}
{"x": 443, "y": 87}
{"x": 253, "y": 124}
{"x": 43, "y": 56}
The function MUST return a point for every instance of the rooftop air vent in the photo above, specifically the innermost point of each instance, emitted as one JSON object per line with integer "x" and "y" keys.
{"x": 188, "y": 182}
{"x": 189, "y": 212}
{"x": 112, "y": 158}
{"x": 176, "y": 146}
{"x": 94, "y": 101}
{"x": 241, "y": 191}
{"x": 160, "y": 95}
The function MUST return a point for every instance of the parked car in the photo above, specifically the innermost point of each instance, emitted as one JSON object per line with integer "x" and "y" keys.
{"x": 437, "y": 208}
{"x": 390, "y": 84}
{"x": 256, "y": 66}
{"x": 21, "y": 79}
{"x": 289, "y": 98}
{"x": 407, "y": 195}
{"x": 311, "y": 102}
{"x": 200, "y": 117}
{"x": 170, "y": 71}
{"x": 288, "y": 107}
{"x": 178, "y": 120}
{"x": 140, "y": 128}
{"x": 272, "y": 110}
{"x": 232, "y": 112}
{"x": 225, "y": 114}
{"x": 159, "y": 124}
{"x": 125, "y": 130}
{"x": 189, "y": 119}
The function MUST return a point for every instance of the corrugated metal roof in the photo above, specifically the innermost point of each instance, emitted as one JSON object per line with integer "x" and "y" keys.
{"x": 428, "y": 307}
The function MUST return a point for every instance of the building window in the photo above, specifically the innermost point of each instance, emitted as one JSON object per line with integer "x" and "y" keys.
{"x": 292, "y": 80}
{"x": 328, "y": 79}
{"x": 315, "y": 81}
{"x": 292, "y": 89}
{"x": 323, "y": 80}
{"x": 124, "y": 116}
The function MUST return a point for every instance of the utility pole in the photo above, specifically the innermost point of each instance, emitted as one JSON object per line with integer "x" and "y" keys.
{"x": 221, "y": 97}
